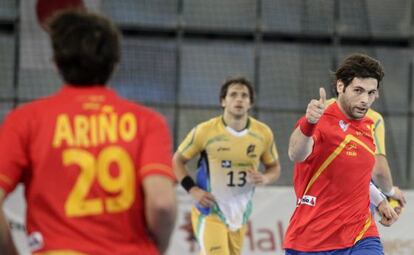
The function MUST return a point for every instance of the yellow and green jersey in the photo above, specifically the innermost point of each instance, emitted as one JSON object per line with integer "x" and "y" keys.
{"x": 378, "y": 129}
{"x": 226, "y": 156}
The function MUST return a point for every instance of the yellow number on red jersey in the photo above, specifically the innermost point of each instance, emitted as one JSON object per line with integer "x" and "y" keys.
{"x": 77, "y": 204}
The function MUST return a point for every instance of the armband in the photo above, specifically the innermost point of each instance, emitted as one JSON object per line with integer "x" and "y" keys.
{"x": 390, "y": 193}
{"x": 307, "y": 128}
{"x": 187, "y": 183}
{"x": 376, "y": 196}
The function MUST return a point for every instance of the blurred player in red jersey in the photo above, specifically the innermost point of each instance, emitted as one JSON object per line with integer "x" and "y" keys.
{"x": 96, "y": 167}
{"x": 334, "y": 153}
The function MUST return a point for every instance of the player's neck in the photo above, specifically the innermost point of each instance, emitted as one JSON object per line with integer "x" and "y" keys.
{"x": 236, "y": 123}
{"x": 341, "y": 108}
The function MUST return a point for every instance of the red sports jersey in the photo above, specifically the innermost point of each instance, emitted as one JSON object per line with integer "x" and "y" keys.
{"x": 82, "y": 155}
{"x": 332, "y": 186}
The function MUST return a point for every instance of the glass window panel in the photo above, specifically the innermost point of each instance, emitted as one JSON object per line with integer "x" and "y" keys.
{"x": 206, "y": 65}
{"x": 8, "y": 10}
{"x": 231, "y": 15}
{"x": 378, "y": 18}
{"x": 150, "y": 13}
{"x": 5, "y": 107}
{"x": 37, "y": 76}
{"x": 298, "y": 16}
{"x": 147, "y": 71}
{"x": 6, "y": 66}
{"x": 35, "y": 83}
{"x": 290, "y": 75}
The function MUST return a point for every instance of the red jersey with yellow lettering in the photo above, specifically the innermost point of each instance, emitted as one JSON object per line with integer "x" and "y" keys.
{"x": 332, "y": 186}
{"x": 82, "y": 155}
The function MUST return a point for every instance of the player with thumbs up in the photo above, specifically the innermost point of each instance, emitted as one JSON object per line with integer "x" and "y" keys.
{"x": 301, "y": 142}
{"x": 334, "y": 154}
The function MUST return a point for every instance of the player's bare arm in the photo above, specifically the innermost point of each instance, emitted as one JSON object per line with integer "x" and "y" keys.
{"x": 6, "y": 243}
{"x": 301, "y": 141}
{"x": 382, "y": 177}
{"x": 300, "y": 146}
{"x": 203, "y": 197}
{"x": 160, "y": 206}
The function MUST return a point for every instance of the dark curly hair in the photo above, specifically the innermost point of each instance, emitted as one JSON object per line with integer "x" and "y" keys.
{"x": 237, "y": 80}
{"x": 86, "y": 46}
{"x": 358, "y": 66}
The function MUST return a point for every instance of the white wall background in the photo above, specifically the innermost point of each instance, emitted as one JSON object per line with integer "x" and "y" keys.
{"x": 272, "y": 209}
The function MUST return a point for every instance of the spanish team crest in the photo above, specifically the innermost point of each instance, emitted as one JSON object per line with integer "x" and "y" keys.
{"x": 344, "y": 126}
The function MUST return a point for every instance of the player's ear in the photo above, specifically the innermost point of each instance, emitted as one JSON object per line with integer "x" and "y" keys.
{"x": 339, "y": 86}
{"x": 222, "y": 103}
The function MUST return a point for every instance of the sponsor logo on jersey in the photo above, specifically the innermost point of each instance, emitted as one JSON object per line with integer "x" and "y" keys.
{"x": 215, "y": 248}
{"x": 250, "y": 151}
{"x": 223, "y": 149}
{"x": 369, "y": 132}
{"x": 226, "y": 163}
{"x": 343, "y": 125}
{"x": 307, "y": 200}
{"x": 35, "y": 241}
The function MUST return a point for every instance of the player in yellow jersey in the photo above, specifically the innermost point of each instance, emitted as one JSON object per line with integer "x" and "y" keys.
{"x": 231, "y": 147}
{"x": 381, "y": 174}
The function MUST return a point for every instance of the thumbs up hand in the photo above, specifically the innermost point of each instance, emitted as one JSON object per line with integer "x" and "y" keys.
{"x": 316, "y": 107}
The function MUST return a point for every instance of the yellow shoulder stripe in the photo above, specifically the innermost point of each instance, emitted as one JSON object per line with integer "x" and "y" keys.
{"x": 333, "y": 155}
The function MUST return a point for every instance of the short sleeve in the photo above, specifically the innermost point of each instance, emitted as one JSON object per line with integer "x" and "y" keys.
{"x": 192, "y": 144}
{"x": 270, "y": 154}
{"x": 379, "y": 136}
{"x": 156, "y": 149}
{"x": 14, "y": 158}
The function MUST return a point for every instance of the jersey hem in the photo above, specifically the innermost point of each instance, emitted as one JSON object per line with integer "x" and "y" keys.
{"x": 322, "y": 249}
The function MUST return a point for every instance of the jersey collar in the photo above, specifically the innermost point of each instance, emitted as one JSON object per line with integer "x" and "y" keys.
{"x": 235, "y": 132}
{"x": 92, "y": 89}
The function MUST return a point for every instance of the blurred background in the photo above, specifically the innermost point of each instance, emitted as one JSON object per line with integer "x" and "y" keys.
{"x": 177, "y": 53}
